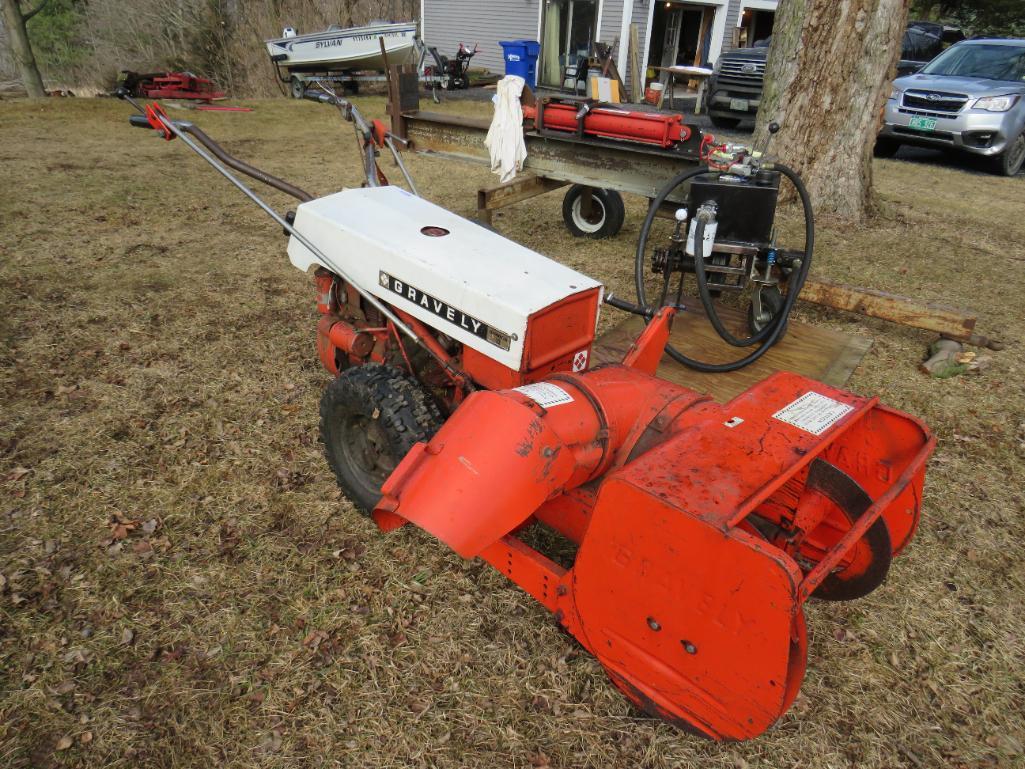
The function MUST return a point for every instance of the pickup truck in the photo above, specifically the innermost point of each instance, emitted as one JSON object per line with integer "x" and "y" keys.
{"x": 735, "y": 88}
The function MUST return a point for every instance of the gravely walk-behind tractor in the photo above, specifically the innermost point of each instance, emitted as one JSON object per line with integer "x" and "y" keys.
{"x": 463, "y": 402}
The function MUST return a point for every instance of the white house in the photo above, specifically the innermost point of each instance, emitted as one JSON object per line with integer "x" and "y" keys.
{"x": 668, "y": 31}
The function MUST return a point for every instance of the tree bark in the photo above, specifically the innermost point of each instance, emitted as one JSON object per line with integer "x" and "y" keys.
{"x": 826, "y": 80}
{"x": 21, "y": 49}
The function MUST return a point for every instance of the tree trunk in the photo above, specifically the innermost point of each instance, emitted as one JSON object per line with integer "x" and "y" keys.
{"x": 826, "y": 80}
{"x": 21, "y": 49}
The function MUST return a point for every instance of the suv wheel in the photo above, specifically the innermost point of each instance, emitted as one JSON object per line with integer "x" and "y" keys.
{"x": 885, "y": 148}
{"x": 725, "y": 123}
{"x": 1010, "y": 161}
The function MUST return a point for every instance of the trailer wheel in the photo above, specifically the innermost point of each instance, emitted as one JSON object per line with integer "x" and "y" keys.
{"x": 605, "y": 218}
{"x": 298, "y": 87}
{"x": 370, "y": 417}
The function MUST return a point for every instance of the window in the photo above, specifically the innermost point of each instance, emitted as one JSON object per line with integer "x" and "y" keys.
{"x": 991, "y": 62}
{"x": 567, "y": 38}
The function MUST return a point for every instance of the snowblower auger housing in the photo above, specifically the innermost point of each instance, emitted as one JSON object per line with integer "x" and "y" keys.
{"x": 463, "y": 401}
{"x": 701, "y": 529}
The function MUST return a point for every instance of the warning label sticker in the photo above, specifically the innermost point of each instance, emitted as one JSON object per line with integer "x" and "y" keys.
{"x": 545, "y": 394}
{"x": 813, "y": 413}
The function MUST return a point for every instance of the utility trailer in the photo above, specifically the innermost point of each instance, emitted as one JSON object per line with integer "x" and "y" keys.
{"x": 597, "y": 168}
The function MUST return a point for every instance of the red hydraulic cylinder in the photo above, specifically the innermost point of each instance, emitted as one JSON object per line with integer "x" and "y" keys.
{"x": 646, "y": 127}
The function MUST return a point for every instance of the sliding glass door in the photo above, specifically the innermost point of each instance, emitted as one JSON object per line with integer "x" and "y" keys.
{"x": 567, "y": 38}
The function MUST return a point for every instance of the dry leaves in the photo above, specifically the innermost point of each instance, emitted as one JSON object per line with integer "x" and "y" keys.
{"x": 17, "y": 474}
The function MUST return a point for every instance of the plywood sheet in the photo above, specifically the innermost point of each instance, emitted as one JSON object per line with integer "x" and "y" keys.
{"x": 819, "y": 353}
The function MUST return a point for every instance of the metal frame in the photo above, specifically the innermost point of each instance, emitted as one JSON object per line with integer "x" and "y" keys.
{"x": 553, "y": 161}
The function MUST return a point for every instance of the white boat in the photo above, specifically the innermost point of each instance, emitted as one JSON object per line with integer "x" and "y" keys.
{"x": 337, "y": 50}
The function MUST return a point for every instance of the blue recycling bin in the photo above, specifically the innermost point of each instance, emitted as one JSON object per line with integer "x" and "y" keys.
{"x": 521, "y": 59}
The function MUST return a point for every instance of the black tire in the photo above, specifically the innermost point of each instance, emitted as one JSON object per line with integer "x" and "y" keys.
{"x": 297, "y": 87}
{"x": 772, "y": 303}
{"x": 370, "y": 417}
{"x": 1010, "y": 161}
{"x": 725, "y": 123}
{"x": 607, "y": 212}
{"x": 885, "y": 148}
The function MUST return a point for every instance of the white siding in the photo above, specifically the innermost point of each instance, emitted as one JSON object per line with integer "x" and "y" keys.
{"x": 732, "y": 15}
{"x": 611, "y": 21}
{"x": 447, "y": 23}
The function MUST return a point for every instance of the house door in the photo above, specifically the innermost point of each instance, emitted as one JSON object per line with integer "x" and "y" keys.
{"x": 567, "y": 38}
{"x": 671, "y": 37}
{"x": 681, "y": 33}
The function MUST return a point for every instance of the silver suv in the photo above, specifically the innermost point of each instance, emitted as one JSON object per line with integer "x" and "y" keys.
{"x": 970, "y": 98}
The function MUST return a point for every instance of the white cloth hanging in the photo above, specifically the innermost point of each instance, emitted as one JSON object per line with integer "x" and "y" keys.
{"x": 505, "y": 136}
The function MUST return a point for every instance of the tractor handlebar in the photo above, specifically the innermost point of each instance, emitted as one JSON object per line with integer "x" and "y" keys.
{"x": 346, "y": 107}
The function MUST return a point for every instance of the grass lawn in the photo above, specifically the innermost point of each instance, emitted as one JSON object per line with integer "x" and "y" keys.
{"x": 183, "y": 585}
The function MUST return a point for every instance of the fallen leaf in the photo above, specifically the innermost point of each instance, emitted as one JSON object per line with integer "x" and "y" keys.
{"x": 142, "y": 547}
{"x": 539, "y": 759}
{"x": 76, "y": 657}
{"x": 17, "y": 474}
{"x": 150, "y": 526}
{"x": 64, "y": 743}
{"x": 272, "y": 741}
{"x": 315, "y": 639}
{"x": 85, "y": 738}
{"x": 127, "y": 636}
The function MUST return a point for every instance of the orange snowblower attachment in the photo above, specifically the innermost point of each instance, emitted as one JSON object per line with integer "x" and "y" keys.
{"x": 701, "y": 529}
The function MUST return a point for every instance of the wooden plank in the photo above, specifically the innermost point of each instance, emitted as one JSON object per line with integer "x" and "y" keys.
{"x": 519, "y": 189}
{"x": 948, "y": 321}
{"x": 819, "y": 353}
{"x": 394, "y": 105}
{"x": 636, "y": 76}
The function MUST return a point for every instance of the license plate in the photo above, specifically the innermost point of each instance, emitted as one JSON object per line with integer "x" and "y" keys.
{"x": 923, "y": 123}
{"x": 740, "y": 105}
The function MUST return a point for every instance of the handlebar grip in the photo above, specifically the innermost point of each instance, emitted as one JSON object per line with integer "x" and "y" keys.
{"x": 324, "y": 98}
{"x": 619, "y": 304}
{"x": 139, "y": 121}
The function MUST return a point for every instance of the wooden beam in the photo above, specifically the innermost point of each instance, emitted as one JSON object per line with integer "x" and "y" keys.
{"x": 517, "y": 190}
{"x": 944, "y": 320}
{"x": 636, "y": 75}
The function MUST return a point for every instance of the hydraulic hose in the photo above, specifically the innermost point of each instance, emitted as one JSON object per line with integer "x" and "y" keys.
{"x": 768, "y": 335}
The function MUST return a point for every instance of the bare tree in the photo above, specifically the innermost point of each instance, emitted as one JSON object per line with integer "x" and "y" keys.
{"x": 826, "y": 80}
{"x": 21, "y": 49}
